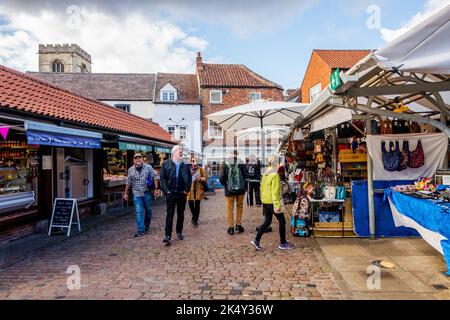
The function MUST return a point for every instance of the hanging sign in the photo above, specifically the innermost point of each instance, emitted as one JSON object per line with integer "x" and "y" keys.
{"x": 4, "y": 132}
{"x": 62, "y": 215}
{"x": 335, "y": 79}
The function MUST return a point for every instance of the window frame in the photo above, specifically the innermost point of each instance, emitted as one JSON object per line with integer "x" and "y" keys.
{"x": 123, "y": 106}
{"x": 179, "y": 132}
{"x": 311, "y": 96}
{"x": 209, "y": 131}
{"x": 166, "y": 95}
{"x": 174, "y": 134}
{"x": 211, "y": 94}
{"x": 252, "y": 93}
{"x": 57, "y": 66}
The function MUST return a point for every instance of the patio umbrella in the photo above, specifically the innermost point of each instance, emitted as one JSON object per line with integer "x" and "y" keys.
{"x": 258, "y": 113}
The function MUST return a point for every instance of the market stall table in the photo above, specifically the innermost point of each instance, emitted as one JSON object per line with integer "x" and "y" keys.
{"x": 431, "y": 218}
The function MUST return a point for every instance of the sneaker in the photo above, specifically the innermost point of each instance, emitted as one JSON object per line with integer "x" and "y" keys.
{"x": 286, "y": 246}
{"x": 239, "y": 229}
{"x": 195, "y": 225}
{"x": 180, "y": 236}
{"x": 256, "y": 245}
{"x": 167, "y": 240}
{"x": 230, "y": 231}
{"x": 139, "y": 234}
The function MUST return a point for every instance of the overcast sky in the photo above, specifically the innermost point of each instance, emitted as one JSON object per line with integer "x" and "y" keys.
{"x": 274, "y": 38}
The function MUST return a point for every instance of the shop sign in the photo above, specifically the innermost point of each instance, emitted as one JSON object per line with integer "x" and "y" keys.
{"x": 61, "y": 140}
{"x": 162, "y": 150}
{"x": 62, "y": 215}
{"x": 133, "y": 146}
{"x": 335, "y": 79}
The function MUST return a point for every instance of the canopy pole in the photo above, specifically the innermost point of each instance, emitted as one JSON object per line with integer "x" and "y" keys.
{"x": 444, "y": 121}
{"x": 370, "y": 185}
{"x": 263, "y": 145}
{"x": 335, "y": 151}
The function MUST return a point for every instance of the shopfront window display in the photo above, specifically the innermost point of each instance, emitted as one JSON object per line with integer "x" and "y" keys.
{"x": 19, "y": 164}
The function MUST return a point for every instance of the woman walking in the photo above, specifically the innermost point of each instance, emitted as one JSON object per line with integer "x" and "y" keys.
{"x": 271, "y": 200}
{"x": 197, "y": 194}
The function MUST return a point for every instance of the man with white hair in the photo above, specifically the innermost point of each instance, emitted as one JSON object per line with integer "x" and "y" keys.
{"x": 176, "y": 180}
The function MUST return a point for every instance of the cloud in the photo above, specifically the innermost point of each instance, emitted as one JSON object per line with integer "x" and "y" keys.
{"x": 431, "y": 7}
{"x": 132, "y": 43}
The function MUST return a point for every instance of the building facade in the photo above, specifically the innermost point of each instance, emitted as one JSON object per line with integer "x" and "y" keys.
{"x": 63, "y": 58}
{"x": 224, "y": 86}
{"x": 320, "y": 67}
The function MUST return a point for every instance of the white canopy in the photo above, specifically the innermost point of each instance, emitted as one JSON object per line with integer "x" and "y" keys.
{"x": 259, "y": 113}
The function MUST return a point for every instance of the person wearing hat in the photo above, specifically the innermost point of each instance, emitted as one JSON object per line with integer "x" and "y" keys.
{"x": 137, "y": 181}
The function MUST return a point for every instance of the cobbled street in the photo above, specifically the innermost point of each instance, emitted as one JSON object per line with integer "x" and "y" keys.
{"x": 208, "y": 264}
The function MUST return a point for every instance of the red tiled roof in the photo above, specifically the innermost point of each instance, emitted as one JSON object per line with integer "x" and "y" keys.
{"x": 232, "y": 75}
{"x": 344, "y": 59}
{"x": 186, "y": 85}
{"x": 21, "y": 92}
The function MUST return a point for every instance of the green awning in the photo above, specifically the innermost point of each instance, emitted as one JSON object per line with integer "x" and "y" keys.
{"x": 134, "y": 146}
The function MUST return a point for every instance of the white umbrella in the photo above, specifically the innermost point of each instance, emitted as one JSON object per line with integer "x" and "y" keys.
{"x": 259, "y": 113}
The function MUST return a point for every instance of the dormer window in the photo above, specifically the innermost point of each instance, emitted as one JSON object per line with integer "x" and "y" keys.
{"x": 168, "y": 93}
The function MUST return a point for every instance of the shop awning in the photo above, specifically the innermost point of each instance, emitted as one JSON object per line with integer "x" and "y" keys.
{"x": 50, "y": 128}
{"x": 61, "y": 140}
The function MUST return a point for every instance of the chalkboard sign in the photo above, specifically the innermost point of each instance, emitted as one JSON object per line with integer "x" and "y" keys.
{"x": 62, "y": 215}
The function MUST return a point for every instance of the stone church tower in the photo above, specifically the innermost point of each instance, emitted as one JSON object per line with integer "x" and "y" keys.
{"x": 63, "y": 58}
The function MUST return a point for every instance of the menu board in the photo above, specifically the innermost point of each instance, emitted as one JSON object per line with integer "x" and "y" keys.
{"x": 62, "y": 215}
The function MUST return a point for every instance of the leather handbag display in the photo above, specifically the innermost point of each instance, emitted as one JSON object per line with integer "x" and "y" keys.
{"x": 330, "y": 192}
{"x": 391, "y": 159}
{"x": 341, "y": 193}
{"x": 404, "y": 160}
{"x": 417, "y": 157}
{"x": 386, "y": 127}
{"x": 414, "y": 127}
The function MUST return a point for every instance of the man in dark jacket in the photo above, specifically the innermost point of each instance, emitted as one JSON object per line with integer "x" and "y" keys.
{"x": 253, "y": 181}
{"x": 175, "y": 180}
{"x": 232, "y": 177}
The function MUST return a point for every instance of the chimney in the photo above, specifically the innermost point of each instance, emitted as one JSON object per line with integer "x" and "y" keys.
{"x": 199, "y": 61}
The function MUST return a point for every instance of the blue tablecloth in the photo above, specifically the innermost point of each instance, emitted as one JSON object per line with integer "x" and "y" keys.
{"x": 430, "y": 214}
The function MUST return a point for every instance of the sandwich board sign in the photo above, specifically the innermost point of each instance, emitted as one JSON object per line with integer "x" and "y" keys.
{"x": 62, "y": 215}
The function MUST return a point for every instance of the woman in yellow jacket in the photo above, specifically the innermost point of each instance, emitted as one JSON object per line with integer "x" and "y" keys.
{"x": 271, "y": 200}
{"x": 197, "y": 194}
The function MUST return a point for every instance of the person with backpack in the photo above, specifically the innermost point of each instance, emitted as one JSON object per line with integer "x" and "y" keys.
{"x": 197, "y": 193}
{"x": 141, "y": 179}
{"x": 272, "y": 205}
{"x": 176, "y": 180}
{"x": 254, "y": 181}
{"x": 232, "y": 177}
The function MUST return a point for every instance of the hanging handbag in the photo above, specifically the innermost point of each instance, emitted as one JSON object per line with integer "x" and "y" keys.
{"x": 414, "y": 127}
{"x": 375, "y": 127}
{"x": 386, "y": 127}
{"x": 391, "y": 159}
{"x": 317, "y": 193}
{"x": 341, "y": 193}
{"x": 404, "y": 160}
{"x": 417, "y": 157}
{"x": 330, "y": 192}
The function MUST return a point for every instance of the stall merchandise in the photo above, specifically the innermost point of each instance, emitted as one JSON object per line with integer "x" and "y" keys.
{"x": 19, "y": 166}
{"x": 116, "y": 168}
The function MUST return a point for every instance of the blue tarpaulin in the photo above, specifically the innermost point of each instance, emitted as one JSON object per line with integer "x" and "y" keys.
{"x": 62, "y": 140}
{"x": 429, "y": 214}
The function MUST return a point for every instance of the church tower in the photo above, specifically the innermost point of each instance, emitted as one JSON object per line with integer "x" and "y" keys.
{"x": 63, "y": 58}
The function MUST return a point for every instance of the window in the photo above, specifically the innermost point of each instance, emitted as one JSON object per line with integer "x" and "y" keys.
{"x": 57, "y": 66}
{"x": 214, "y": 130}
{"x": 83, "y": 68}
{"x": 168, "y": 96}
{"x": 255, "y": 96}
{"x": 215, "y": 96}
{"x": 182, "y": 132}
{"x": 171, "y": 130}
{"x": 124, "y": 107}
{"x": 314, "y": 92}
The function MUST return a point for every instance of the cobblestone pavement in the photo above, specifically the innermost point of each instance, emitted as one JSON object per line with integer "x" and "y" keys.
{"x": 208, "y": 264}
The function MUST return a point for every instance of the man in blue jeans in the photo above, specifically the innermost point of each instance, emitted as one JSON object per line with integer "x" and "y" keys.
{"x": 142, "y": 195}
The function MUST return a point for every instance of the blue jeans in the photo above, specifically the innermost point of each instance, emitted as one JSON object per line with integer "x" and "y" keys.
{"x": 143, "y": 207}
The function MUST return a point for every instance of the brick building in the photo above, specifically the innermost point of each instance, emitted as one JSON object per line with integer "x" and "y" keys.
{"x": 321, "y": 65}
{"x": 224, "y": 86}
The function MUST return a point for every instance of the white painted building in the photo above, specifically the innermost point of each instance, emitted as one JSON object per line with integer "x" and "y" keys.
{"x": 177, "y": 108}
